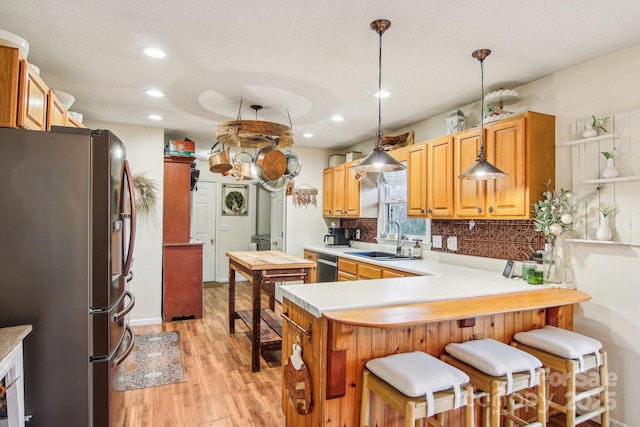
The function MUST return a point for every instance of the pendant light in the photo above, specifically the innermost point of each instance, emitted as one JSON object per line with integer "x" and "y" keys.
{"x": 379, "y": 160}
{"x": 481, "y": 169}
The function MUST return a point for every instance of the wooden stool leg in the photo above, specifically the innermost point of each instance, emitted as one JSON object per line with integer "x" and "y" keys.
{"x": 494, "y": 396}
{"x": 541, "y": 397}
{"x": 570, "y": 404}
{"x": 511, "y": 402}
{"x": 366, "y": 400}
{"x": 409, "y": 416}
{"x": 469, "y": 410}
{"x": 604, "y": 396}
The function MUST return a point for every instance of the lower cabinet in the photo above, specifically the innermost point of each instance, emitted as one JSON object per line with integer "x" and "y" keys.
{"x": 312, "y": 256}
{"x": 182, "y": 281}
{"x": 355, "y": 270}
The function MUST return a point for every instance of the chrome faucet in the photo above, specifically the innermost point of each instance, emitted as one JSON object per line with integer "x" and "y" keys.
{"x": 398, "y": 243}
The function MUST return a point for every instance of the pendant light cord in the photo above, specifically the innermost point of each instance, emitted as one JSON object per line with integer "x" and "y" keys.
{"x": 482, "y": 155}
{"x": 379, "y": 133}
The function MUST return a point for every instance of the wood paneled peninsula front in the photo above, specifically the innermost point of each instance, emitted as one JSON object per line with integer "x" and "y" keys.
{"x": 342, "y": 325}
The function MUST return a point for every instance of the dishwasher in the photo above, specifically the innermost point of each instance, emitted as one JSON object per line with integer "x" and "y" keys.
{"x": 327, "y": 266}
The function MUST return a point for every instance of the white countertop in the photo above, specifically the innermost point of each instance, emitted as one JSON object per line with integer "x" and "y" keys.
{"x": 420, "y": 267}
{"x": 439, "y": 281}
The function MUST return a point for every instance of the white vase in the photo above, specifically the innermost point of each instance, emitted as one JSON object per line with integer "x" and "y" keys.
{"x": 604, "y": 232}
{"x": 589, "y": 131}
{"x": 610, "y": 170}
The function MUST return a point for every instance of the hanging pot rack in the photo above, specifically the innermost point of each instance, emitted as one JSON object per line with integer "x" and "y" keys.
{"x": 254, "y": 133}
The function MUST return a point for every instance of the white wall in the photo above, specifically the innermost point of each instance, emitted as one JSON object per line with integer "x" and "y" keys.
{"x": 608, "y": 273}
{"x": 145, "y": 152}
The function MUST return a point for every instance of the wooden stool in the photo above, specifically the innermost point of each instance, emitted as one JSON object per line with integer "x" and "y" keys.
{"x": 496, "y": 370}
{"x": 570, "y": 353}
{"x": 418, "y": 386}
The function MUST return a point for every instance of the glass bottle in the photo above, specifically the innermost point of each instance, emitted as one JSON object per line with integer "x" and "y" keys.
{"x": 551, "y": 264}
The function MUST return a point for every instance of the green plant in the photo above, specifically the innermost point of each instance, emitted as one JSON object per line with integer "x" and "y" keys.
{"x": 554, "y": 213}
{"x": 599, "y": 123}
{"x": 613, "y": 154}
{"x": 607, "y": 208}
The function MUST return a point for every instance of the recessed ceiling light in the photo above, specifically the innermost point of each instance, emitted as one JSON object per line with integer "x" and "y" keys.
{"x": 382, "y": 94}
{"x": 154, "y": 93}
{"x": 307, "y": 135}
{"x": 338, "y": 118}
{"x": 154, "y": 117}
{"x": 153, "y": 52}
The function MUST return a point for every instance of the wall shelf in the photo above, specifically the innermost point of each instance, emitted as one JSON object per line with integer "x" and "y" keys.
{"x": 600, "y": 242}
{"x": 593, "y": 139}
{"x": 612, "y": 180}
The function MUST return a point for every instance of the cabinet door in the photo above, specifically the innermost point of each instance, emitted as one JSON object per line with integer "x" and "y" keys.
{"x": 352, "y": 191}
{"x": 440, "y": 178}
{"x": 387, "y": 273}
{"x": 32, "y": 103}
{"x": 311, "y": 256}
{"x": 176, "y": 199}
{"x": 339, "y": 186}
{"x": 56, "y": 113}
{"x": 417, "y": 181}
{"x": 327, "y": 192}
{"x": 468, "y": 194}
{"x": 9, "y": 82}
{"x": 369, "y": 271}
{"x": 506, "y": 150}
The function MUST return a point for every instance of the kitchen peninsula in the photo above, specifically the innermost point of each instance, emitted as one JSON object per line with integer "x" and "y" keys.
{"x": 349, "y": 323}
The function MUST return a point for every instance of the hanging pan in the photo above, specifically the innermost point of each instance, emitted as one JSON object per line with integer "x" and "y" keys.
{"x": 294, "y": 166}
{"x": 270, "y": 164}
{"x": 219, "y": 160}
{"x": 242, "y": 170}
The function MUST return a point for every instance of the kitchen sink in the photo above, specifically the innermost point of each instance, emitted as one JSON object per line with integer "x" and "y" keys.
{"x": 380, "y": 256}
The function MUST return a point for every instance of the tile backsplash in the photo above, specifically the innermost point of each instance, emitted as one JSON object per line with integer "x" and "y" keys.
{"x": 503, "y": 239}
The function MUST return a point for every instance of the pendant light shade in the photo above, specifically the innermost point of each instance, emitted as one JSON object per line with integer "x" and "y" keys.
{"x": 482, "y": 169}
{"x": 379, "y": 160}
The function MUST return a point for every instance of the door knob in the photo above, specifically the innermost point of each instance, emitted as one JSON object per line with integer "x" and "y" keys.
{"x": 212, "y": 240}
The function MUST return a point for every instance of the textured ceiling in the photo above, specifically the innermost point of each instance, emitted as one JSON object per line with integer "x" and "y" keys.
{"x": 313, "y": 58}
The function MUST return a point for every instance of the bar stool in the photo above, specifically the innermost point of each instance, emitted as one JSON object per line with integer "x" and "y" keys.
{"x": 497, "y": 370}
{"x": 570, "y": 353}
{"x": 418, "y": 386}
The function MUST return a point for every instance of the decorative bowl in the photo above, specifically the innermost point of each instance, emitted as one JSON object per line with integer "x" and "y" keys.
{"x": 12, "y": 40}
{"x": 64, "y": 98}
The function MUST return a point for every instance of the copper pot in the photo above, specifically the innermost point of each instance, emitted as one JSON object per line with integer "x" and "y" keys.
{"x": 219, "y": 160}
{"x": 242, "y": 170}
{"x": 270, "y": 164}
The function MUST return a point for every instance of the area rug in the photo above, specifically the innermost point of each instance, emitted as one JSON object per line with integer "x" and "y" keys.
{"x": 155, "y": 360}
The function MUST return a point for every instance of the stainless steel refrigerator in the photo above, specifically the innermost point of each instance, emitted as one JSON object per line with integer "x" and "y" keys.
{"x": 67, "y": 227}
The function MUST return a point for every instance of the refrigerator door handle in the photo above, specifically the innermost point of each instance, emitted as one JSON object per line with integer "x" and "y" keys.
{"x": 132, "y": 203}
{"x": 120, "y": 315}
{"x": 118, "y": 360}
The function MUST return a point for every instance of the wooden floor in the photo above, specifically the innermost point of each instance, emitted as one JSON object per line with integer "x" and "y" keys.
{"x": 220, "y": 389}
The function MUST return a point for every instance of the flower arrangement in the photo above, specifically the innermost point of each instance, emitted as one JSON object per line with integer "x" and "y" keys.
{"x": 146, "y": 193}
{"x": 613, "y": 154}
{"x": 554, "y": 213}
{"x": 599, "y": 123}
{"x": 607, "y": 209}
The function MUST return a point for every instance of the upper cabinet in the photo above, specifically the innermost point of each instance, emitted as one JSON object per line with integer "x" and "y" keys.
{"x": 343, "y": 196}
{"x": 25, "y": 99}
{"x": 523, "y": 146}
{"x": 430, "y": 179}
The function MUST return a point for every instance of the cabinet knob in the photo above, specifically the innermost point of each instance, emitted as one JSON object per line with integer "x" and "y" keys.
{"x": 490, "y": 209}
{"x": 429, "y": 210}
{"x": 421, "y": 210}
{"x": 479, "y": 210}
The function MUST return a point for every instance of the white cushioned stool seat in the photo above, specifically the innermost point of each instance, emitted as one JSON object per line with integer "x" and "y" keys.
{"x": 561, "y": 342}
{"x": 418, "y": 374}
{"x": 418, "y": 386}
{"x": 495, "y": 358}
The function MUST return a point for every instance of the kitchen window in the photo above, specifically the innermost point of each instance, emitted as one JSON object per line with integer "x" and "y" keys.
{"x": 392, "y": 188}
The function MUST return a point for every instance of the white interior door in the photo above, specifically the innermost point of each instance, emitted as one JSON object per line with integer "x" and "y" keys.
{"x": 203, "y": 226}
{"x": 277, "y": 221}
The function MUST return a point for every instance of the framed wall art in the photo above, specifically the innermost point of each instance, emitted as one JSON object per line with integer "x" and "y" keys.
{"x": 235, "y": 199}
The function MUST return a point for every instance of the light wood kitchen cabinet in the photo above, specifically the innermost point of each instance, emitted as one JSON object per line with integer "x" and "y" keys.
{"x": 9, "y": 81}
{"x": 57, "y": 114}
{"x": 417, "y": 180}
{"x": 355, "y": 270}
{"x": 430, "y": 179}
{"x": 32, "y": 102}
{"x": 312, "y": 256}
{"x": 344, "y": 196}
{"x": 523, "y": 146}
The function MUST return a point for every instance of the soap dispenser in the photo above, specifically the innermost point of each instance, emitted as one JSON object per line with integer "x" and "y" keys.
{"x": 416, "y": 251}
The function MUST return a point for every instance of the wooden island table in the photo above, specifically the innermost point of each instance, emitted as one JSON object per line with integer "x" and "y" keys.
{"x": 353, "y": 322}
{"x": 263, "y": 267}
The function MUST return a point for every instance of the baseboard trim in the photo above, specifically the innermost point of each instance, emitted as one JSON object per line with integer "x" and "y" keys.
{"x": 143, "y": 322}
